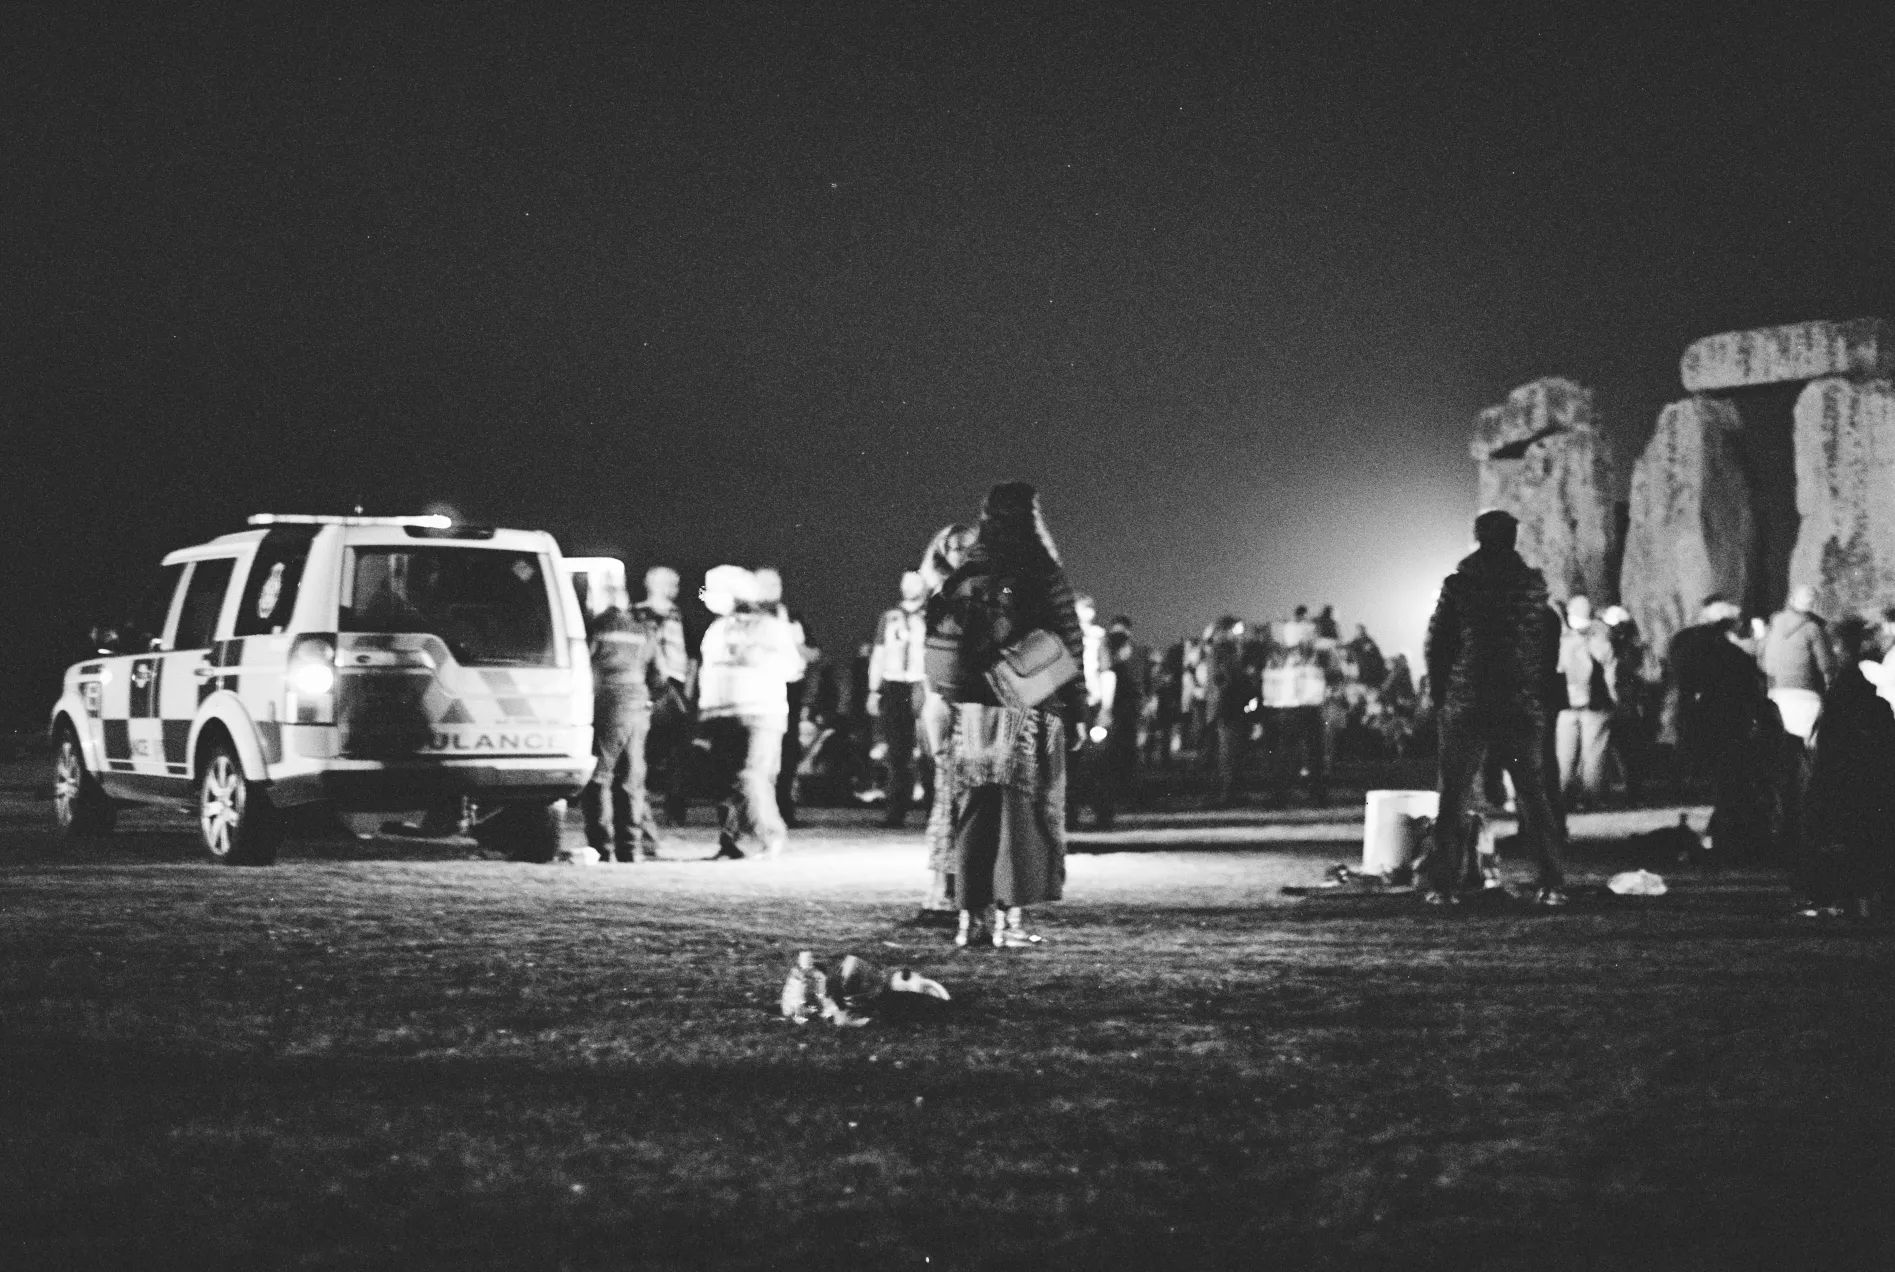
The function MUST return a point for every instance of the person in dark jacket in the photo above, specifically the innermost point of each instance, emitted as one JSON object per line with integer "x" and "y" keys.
{"x": 1493, "y": 645}
{"x": 1726, "y": 728}
{"x": 1131, "y": 689}
{"x": 627, "y": 669}
{"x": 668, "y": 745}
{"x": 1008, "y": 783}
{"x": 1848, "y": 821}
{"x": 1231, "y": 691}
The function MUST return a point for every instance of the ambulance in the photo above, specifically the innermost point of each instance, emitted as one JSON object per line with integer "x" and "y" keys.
{"x": 369, "y": 666}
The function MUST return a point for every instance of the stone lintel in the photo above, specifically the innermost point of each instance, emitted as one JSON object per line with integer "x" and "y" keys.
{"x": 1860, "y": 347}
{"x": 1532, "y": 411}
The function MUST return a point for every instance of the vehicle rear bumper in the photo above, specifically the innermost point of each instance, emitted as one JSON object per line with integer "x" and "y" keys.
{"x": 395, "y": 785}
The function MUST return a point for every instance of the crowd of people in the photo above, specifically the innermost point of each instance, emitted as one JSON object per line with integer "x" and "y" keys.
{"x": 1525, "y": 700}
{"x": 994, "y": 750}
{"x": 1787, "y": 721}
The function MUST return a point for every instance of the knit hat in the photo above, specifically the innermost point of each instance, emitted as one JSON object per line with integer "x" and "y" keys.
{"x": 1009, "y": 500}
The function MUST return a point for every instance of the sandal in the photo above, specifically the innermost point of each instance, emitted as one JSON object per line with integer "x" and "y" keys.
{"x": 1010, "y": 931}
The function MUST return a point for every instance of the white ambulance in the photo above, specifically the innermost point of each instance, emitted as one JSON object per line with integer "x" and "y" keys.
{"x": 398, "y": 665}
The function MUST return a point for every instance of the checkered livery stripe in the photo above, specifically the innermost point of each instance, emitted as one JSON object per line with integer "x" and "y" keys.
{"x": 406, "y": 694}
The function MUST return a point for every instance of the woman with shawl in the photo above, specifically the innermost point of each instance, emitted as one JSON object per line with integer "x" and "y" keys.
{"x": 1007, "y": 789}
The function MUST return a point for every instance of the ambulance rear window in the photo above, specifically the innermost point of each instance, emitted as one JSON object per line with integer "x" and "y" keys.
{"x": 491, "y": 608}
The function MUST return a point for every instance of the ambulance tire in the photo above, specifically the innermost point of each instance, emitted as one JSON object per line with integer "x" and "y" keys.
{"x": 523, "y": 832}
{"x": 237, "y": 824}
{"x": 81, "y": 808}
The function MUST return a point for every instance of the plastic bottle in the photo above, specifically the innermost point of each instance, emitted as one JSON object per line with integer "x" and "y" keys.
{"x": 805, "y": 989}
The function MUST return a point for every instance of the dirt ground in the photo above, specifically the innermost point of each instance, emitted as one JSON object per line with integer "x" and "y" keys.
{"x": 407, "y": 1055}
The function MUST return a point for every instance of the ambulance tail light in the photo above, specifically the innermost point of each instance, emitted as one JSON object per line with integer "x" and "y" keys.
{"x": 581, "y": 682}
{"x": 310, "y": 680}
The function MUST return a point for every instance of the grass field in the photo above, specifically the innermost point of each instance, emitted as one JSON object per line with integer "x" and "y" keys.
{"x": 373, "y": 1056}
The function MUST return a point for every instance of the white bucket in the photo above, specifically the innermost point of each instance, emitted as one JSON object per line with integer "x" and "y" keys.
{"x": 1393, "y": 828}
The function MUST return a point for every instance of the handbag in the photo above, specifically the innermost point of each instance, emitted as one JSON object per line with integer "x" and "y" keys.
{"x": 1032, "y": 669}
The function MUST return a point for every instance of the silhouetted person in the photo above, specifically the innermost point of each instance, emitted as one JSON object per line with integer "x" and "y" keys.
{"x": 668, "y": 746}
{"x": 1130, "y": 669}
{"x": 1493, "y": 644}
{"x": 1228, "y": 693}
{"x": 1848, "y": 853}
{"x": 1371, "y": 667}
{"x": 625, "y": 648}
{"x": 1726, "y": 728}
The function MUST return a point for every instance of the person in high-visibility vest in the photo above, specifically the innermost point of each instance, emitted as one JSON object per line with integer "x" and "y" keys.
{"x": 897, "y": 689}
{"x": 1295, "y": 687}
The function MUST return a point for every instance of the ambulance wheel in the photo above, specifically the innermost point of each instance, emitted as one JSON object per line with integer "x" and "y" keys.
{"x": 523, "y": 832}
{"x": 81, "y": 808}
{"x": 236, "y": 821}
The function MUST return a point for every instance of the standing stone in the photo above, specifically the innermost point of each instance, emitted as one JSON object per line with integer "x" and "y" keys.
{"x": 1542, "y": 459}
{"x": 1779, "y": 355}
{"x": 1845, "y": 491}
{"x": 1692, "y": 532}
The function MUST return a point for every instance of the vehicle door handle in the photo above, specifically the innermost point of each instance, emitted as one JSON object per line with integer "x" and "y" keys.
{"x": 204, "y": 671}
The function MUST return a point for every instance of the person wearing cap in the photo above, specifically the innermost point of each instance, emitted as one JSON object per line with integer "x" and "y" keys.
{"x": 749, "y": 654}
{"x": 1492, "y": 647}
{"x": 898, "y": 684}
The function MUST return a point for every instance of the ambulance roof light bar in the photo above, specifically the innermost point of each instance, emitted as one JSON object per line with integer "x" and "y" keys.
{"x": 430, "y": 521}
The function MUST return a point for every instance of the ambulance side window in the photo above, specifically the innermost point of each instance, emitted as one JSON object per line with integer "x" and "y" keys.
{"x": 203, "y": 602}
{"x": 147, "y": 625}
{"x": 276, "y": 575}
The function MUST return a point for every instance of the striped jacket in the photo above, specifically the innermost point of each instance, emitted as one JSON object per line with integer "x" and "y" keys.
{"x": 625, "y": 653}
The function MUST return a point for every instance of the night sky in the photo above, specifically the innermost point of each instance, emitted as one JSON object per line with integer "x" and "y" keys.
{"x": 794, "y": 283}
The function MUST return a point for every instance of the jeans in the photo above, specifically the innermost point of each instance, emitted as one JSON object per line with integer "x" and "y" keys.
{"x": 619, "y": 727}
{"x": 749, "y": 752}
{"x": 1583, "y": 742}
{"x": 1519, "y": 743}
{"x": 901, "y": 702}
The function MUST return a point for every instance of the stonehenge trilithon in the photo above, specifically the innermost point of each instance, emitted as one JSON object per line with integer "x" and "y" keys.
{"x": 1542, "y": 459}
{"x": 1691, "y": 531}
{"x": 1845, "y": 492}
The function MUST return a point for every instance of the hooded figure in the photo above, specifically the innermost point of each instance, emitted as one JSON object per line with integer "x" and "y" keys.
{"x": 1848, "y": 821}
{"x": 1493, "y": 645}
{"x": 1007, "y": 778}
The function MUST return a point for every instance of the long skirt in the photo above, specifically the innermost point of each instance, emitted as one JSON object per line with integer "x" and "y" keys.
{"x": 1009, "y": 835}
{"x": 937, "y": 731}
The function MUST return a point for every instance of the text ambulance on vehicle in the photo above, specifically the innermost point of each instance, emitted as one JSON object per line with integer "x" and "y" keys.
{"x": 366, "y": 664}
